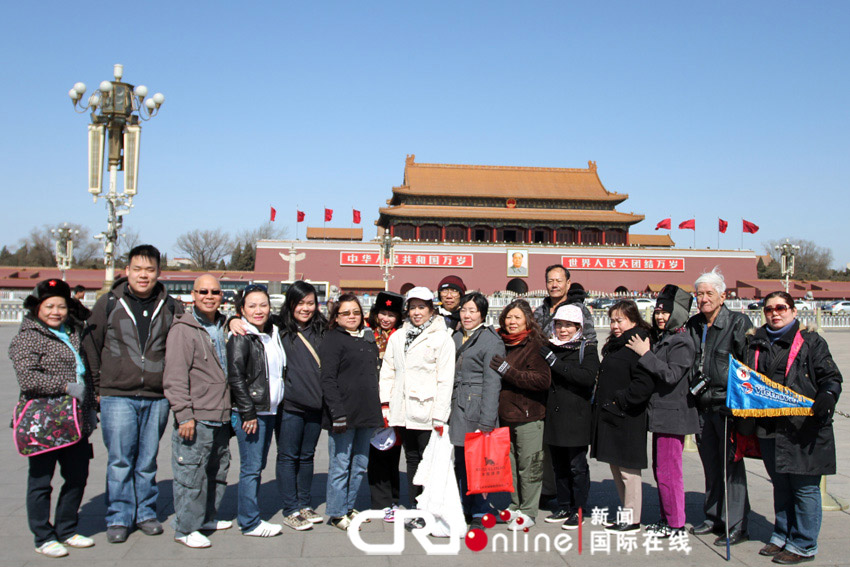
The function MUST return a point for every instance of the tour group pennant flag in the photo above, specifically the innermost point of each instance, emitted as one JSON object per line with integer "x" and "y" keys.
{"x": 688, "y": 224}
{"x": 722, "y": 225}
{"x": 299, "y": 215}
{"x": 329, "y": 214}
{"x": 273, "y": 214}
{"x": 356, "y": 216}
{"x": 750, "y": 394}
{"x": 666, "y": 223}
{"x": 750, "y": 227}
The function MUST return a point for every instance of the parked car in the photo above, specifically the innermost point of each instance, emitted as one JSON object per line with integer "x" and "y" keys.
{"x": 803, "y": 305}
{"x": 644, "y": 302}
{"x": 756, "y": 305}
{"x": 602, "y": 303}
{"x": 841, "y": 306}
{"x": 228, "y": 297}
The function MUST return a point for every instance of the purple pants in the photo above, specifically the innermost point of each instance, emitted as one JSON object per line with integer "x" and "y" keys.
{"x": 667, "y": 468}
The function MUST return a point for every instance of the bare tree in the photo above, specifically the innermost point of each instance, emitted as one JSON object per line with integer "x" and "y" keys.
{"x": 130, "y": 238}
{"x": 244, "y": 250}
{"x": 812, "y": 262}
{"x": 266, "y": 231}
{"x": 206, "y": 248}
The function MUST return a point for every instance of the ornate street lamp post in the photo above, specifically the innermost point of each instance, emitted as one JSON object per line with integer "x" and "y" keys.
{"x": 787, "y": 253}
{"x": 64, "y": 247}
{"x": 386, "y": 260}
{"x": 116, "y": 109}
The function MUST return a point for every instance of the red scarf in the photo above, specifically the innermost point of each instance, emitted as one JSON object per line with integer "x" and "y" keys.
{"x": 515, "y": 339}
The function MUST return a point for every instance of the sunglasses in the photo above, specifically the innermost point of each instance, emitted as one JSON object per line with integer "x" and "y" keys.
{"x": 207, "y": 291}
{"x": 347, "y": 313}
{"x": 779, "y": 308}
{"x": 254, "y": 287}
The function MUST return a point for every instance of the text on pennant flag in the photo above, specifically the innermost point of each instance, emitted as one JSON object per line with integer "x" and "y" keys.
{"x": 750, "y": 394}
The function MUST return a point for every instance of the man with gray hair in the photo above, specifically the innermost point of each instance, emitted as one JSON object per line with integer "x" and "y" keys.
{"x": 717, "y": 332}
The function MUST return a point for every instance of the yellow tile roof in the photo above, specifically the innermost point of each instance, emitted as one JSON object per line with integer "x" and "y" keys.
{"x": 437, "y": 179}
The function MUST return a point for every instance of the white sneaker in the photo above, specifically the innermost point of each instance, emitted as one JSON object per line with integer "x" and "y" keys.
{"x": 52, "y": 549}
{"x": 520, "y": 522}
{"x": 79, "y": 541}
{"x": 195, "y": 540}
{"x": 264, "y": 529}
{"x": 216, "y": 525}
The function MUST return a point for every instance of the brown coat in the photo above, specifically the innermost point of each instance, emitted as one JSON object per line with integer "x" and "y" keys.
{"x": 525, "y": 384}
{"x": 194, "y": 379}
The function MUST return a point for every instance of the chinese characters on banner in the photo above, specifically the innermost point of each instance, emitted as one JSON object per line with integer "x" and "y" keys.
{"x": 416, "y": 260}
{"x": 621, "y": 264}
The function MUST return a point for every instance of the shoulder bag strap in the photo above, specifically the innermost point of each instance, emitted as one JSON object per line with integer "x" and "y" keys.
{"x": 310, "y": 348}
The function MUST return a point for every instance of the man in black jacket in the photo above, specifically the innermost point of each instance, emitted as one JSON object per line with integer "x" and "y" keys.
{"x": 717, "y": 332}
{"x": 124, "y": 345}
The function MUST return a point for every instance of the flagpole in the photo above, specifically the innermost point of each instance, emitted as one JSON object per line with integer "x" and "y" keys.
{"x": 297, "y": 208}
{"x": 695, "y": 232}
{"x": 742, "y": 234}
{"x": 718, "y": 234}
{"x": 726, "y": 484}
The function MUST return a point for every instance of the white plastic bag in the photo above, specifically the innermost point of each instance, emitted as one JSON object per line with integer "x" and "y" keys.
{"x": 440, "y": 496}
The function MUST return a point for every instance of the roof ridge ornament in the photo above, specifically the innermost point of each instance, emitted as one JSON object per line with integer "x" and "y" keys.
{"x": 591, "y": 165}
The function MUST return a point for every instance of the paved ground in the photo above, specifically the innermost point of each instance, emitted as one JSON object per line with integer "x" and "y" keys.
{"x": 325, "y": 545}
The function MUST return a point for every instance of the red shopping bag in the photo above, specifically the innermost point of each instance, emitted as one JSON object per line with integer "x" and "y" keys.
{"x": 488, "y": 462}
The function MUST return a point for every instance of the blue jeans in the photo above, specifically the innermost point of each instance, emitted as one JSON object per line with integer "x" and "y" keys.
{"x": 253, "y": 451}
{"x": 349, "y": 457}
{"x": 132, "y": 428}
{"x": 796, "y": 503}
{"x": 474, "y": 505}
{"x": 296, "y": 447}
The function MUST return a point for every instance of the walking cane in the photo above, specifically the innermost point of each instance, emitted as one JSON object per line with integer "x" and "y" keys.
{"x": 726, "y": 484}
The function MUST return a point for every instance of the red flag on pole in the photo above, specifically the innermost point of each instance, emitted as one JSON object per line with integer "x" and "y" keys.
{"x": 722, "y": 225}
{"x": 750, "y": 227}
{"x": 666, "y": 223}
{"x": 300, "y": 216}
{"x": 273, "y": 214}
{"x": 356, "y": 216}
{"x": 688, "y": 224}
{"x": 329, "y": 214}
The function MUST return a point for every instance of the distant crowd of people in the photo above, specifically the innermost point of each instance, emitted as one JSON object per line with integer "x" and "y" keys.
{"x": 384, "y": 382}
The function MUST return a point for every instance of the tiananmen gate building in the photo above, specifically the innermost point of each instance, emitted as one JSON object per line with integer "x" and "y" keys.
{"x": 491, "y": 225}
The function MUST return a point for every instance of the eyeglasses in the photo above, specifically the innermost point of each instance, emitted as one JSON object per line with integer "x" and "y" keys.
{"x": 254, "y": 287}
{"x": 207, "y": 291}
{"x": 779, "y": 308}
{"x": 356, "y": 313}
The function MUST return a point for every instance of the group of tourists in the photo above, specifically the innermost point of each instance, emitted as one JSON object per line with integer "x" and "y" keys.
{"x": 414, "y": 367}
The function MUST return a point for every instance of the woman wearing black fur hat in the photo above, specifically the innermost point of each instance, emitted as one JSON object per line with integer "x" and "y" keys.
{"x": 45, "y": 353}
{"x": 672, "y": 412}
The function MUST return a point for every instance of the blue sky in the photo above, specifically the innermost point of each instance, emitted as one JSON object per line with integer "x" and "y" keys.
{"x": 711, "y": 109}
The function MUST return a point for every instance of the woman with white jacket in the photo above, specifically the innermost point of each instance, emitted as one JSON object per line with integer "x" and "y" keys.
{"x": 417, "y": 376}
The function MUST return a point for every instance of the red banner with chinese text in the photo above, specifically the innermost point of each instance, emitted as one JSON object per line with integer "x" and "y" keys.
{"x": 623, "y": 264}
{"x": 409, "y": 260}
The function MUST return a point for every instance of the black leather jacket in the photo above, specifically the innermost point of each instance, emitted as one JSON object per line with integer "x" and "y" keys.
{"x": 726, "y": 336}
{"x": 247, "y": 375}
